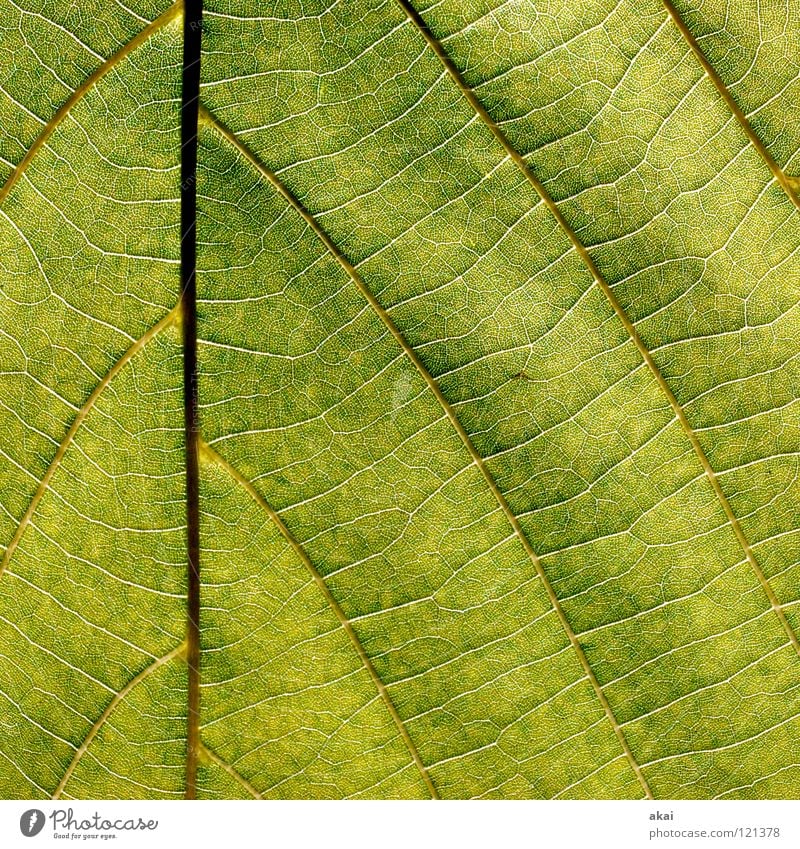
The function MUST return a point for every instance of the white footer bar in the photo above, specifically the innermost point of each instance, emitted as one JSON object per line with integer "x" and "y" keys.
{"x": 401, "y": 825}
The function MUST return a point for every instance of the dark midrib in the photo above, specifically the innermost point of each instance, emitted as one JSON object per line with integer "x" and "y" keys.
{"x": 193, "y": 11}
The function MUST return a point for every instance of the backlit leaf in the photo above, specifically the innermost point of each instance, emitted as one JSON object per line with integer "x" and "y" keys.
{"x": 498, "y": 357}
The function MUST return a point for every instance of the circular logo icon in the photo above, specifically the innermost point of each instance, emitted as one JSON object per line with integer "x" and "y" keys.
{"x": 31, "y": 822}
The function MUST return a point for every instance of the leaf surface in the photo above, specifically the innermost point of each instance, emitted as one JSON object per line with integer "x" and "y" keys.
{"x": 498, "y": 344}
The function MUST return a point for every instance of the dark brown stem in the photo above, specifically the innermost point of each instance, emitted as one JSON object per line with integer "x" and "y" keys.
{"x": 192, "y": 28}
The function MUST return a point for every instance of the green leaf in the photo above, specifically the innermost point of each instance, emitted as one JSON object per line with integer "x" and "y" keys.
{"x": 498, "y": 357}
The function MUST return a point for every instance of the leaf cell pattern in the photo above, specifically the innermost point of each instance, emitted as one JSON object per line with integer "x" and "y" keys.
{"x": 497, "y": 312}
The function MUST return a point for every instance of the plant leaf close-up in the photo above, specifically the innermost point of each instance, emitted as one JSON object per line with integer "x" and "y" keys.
{"x": 466, "y": 464}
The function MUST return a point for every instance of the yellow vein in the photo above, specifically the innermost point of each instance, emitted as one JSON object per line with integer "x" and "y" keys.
{"x": 169, "y": 319}
{"x": 173, "y": 12}
{"x": 477, "y": 459}
{"x": 210, "y": 455}
{"x": 786, "y": 183}
{"x": 621, "y": 314}
{"x": 112, "y": 705}
{"x": 205, "y": 753}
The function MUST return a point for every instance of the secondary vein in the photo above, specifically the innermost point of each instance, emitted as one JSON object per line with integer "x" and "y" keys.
{"x": 179, "y": 651}
{"x": 211, "y": 456}
{"x": 584, "y": 254}
{"x": 785, "y": 182}
{"x": 169, "y": 319}
{"x": 477, "y": 459}
{"x": 171, "y": 14}
{"x": 213, "y": 757}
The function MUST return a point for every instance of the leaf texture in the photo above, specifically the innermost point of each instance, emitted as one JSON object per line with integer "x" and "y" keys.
{"x": 497, "y": 343}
